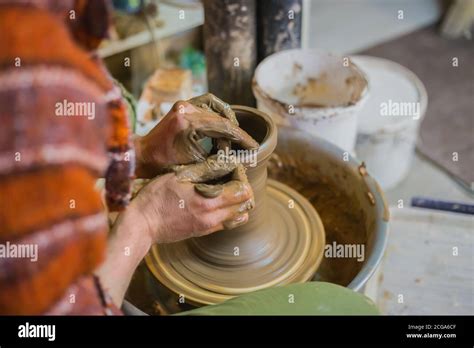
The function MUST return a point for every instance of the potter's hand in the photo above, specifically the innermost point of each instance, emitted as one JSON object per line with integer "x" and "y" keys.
{"x": 175, "y": 208}
{"x": 210, "y": 102}
{"x": 176, "y": 139}
{"x": 213, "y": 169}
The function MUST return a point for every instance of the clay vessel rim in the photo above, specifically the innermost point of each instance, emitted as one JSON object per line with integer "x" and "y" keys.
{"x": 268, "y": 144}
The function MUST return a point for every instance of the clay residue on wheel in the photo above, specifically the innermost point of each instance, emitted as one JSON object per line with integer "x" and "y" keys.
{"x": 342, "y": 217}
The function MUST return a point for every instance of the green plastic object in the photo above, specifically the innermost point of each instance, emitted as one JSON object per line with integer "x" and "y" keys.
{"x": 312, "y": 298}
{"x": 128, "y": 6}
{"x": 193, "y": 60}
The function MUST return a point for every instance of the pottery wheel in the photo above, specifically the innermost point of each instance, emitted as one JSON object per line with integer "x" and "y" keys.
{"x": 288, "y": 248}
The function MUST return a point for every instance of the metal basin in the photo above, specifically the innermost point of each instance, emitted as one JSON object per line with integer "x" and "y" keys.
{"x": 349, "y": 201}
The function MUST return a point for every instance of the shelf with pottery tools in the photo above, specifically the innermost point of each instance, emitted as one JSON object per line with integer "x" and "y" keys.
{"x": 174, "y": 22}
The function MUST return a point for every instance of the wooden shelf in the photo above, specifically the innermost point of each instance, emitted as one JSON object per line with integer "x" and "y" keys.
{"x": 172, "y": 24}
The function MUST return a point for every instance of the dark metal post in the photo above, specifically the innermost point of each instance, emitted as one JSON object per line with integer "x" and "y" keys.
{"x": 231, "y": 51}
{"x": 279, "y": 26}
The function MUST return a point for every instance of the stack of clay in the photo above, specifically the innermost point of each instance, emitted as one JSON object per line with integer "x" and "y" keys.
{"x": 53, "y": 230}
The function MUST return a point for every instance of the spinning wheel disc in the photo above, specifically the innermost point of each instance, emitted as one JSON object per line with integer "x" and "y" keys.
{"x": 287, "y": 247}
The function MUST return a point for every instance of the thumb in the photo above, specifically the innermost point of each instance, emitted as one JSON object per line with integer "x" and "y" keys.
{"x": 214, "y": 167}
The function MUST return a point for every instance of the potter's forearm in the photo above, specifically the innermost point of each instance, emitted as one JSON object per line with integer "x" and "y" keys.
{"x": 126, "y": 248}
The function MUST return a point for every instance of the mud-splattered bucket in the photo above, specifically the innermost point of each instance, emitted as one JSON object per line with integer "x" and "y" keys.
{"x": 316, "y": 92}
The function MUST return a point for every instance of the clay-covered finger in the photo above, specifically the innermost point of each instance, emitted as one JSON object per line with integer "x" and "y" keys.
{"x": 189, "y": 142}
{"x": 238, "y": 189}
{"x": 212, "y": 168}
{"x": 236, "y": 215}
{"x": 239, "y": 173}
{"x": 209, "y": 101}
{"x": 226, "y": 218}
{"x": 221, "y": 143}
{"x": 233, "y": 195}
{"x": 209, "y": 191}
{"x": 236, "y": 193}
{"x": 247, "y": 206}
{"x": 218, "y": 127}
{"x": 236, "y": 222}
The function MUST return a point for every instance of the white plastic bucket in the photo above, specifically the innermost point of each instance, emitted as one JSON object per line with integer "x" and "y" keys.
{"x": 317, "y": 92}
{"x": 387, "y": 130}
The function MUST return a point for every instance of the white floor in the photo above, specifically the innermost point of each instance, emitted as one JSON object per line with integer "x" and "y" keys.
{"x": 428, "y": 180}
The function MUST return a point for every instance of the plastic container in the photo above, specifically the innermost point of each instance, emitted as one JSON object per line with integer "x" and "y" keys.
{"x": 313, "y": 91}
{"x": 390, "y": 119}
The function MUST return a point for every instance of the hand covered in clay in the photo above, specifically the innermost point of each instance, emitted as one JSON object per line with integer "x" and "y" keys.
{"x": 177, "y": 139}
{"x": 181, "y": 205}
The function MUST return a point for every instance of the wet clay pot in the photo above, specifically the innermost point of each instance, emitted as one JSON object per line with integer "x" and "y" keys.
{"x": 282, "y": 242}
